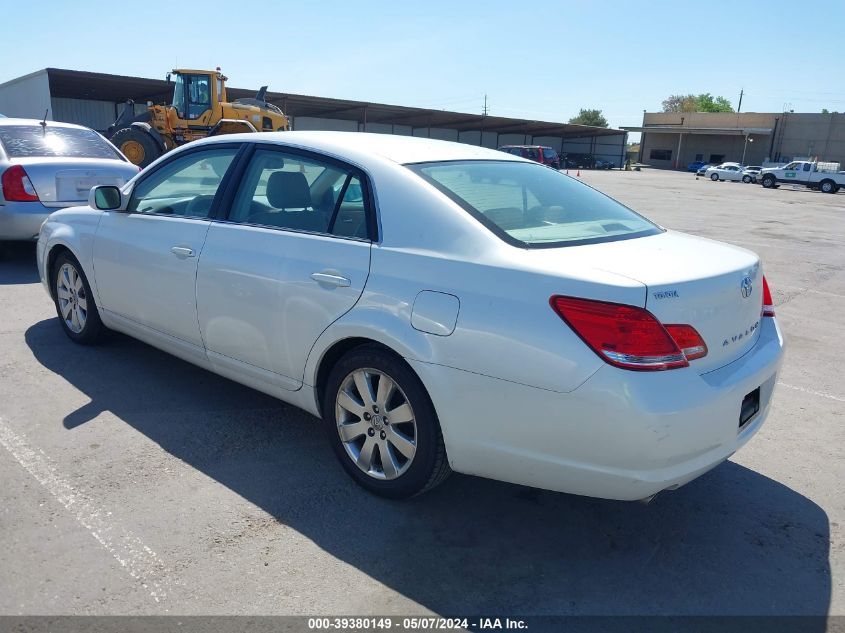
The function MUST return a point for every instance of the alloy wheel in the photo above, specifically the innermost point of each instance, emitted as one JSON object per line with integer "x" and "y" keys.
{"x": 376, "y": 423}
{"x": 73, "y": 301}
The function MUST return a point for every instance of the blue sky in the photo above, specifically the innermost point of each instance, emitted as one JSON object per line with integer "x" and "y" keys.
{"x": 538, "y": 60}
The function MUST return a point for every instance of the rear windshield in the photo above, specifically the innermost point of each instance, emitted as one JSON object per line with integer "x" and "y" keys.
{"x": 532, "y": 205}
{"x": 28, "y": 141}
{"x": 548, "y": 152}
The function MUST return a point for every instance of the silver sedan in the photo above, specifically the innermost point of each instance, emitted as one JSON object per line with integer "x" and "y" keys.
{"x": 46, "y": 166}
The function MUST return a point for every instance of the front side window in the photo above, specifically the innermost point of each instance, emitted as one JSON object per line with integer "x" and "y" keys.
{"x": 179, "y": 96}
{"x": 185, "y": 186}
{"x": 25, "y": 141}
{"x": 530, "y": 205}
{"x": 300, "y": 193}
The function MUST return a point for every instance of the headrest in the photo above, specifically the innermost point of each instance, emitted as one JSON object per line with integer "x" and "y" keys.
{"x": 288, "y": 190}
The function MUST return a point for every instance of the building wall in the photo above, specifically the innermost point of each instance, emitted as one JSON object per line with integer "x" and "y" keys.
{"x": 794, "y": 135}
{"x": 98, "y": 115}
{"x": 610, "y": 148}
{"x": 815, "y": 135}
{"x": 704, "y": 147}
{"x": 711, "y": 119}
{"x": 27, "y": 97}
{"x": 314, "y": 123}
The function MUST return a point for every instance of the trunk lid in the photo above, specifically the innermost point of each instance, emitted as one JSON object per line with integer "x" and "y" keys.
{"x": 64, "y": 182}
{"x": 689, "y": 280}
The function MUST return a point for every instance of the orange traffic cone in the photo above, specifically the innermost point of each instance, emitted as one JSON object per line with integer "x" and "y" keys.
{"x": 578, "y": 174}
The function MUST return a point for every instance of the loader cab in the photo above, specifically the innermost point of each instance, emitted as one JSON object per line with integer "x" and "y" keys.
{"x": 197, "y": 93}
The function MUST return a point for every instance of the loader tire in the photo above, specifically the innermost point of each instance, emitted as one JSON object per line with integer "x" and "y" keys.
{"x": 137, "y": 145}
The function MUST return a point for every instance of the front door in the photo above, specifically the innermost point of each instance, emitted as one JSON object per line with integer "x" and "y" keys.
{"x": 292, "y": 258}
{"x": 145, "y": 258}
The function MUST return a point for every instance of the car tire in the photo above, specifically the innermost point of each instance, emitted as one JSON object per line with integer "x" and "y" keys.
{"x": 75, "y": 307}
{"x": 138, "y": 146}
{"x": 827, "y": 186}
{"x": 746, "y": 179}
{"x": 768, "y": 181}
{"x": 714, "y": 177}
{"x": 388, "y": 457}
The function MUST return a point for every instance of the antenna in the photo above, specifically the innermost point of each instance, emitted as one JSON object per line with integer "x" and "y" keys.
{"x": 739, "y": 107}
{"x": 484, "y": 110}
{"x": 44, "y": 121}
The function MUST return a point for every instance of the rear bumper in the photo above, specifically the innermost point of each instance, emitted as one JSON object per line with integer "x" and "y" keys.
{"x": 22, "y": 220}
{"x": 621, "y": 435}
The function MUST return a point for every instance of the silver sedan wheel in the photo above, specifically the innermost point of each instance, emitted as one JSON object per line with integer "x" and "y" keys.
{"x": 73, "y": 302}
{"x": 376, "y": 423}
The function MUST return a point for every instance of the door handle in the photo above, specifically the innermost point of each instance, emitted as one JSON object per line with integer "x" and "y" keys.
{"x": 182, "y": 251}
{"x": 331, "y": 280}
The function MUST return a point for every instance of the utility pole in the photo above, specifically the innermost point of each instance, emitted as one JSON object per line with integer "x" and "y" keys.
{"x": 484, "y": 109}
{"x": 739, "y": 107}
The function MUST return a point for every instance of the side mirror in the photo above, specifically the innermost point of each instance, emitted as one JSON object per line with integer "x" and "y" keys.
{"x": 104, "y": 198}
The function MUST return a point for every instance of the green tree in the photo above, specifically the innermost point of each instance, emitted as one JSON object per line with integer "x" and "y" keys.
{"x": 589, "y": 117}
{"x": 709, "y": 103}
{"x": 704, "y": 102}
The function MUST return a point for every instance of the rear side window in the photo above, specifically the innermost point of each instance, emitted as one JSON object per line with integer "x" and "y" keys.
{"x": 533, "y": 206}
{"x": 289, "y": 191}
{"x": 26, "y": 141}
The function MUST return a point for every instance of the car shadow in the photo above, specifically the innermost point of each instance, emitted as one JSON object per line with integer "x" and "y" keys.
{"x": 732, "y": 542}
{"x": 17, "y": 264}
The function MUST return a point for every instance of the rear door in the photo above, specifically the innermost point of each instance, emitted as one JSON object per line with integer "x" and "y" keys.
{"x": 291, "y": 258}
{"x": 145, "y": 258}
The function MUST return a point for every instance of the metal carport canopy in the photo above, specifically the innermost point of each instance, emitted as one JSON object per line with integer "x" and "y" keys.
{"x": 78, "y": 84}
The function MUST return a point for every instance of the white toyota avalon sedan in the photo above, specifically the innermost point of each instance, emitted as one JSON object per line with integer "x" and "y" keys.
{"x": 440, "y": 306}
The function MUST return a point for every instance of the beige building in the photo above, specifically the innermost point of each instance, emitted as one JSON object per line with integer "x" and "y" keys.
{"x": 672, "y": 140}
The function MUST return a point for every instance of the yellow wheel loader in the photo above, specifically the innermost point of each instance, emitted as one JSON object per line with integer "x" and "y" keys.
{"x": 199, "y": 109}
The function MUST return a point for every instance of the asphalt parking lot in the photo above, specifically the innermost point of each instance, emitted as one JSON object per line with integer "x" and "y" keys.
{"x": 135, "y": 483}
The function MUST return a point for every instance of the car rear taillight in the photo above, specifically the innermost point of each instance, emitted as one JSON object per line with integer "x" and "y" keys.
{"x": 768, "y": 306}
{"x": 689, "y": 340}
{"x": 629, "y": 337}
{"x": 17, "y": 187}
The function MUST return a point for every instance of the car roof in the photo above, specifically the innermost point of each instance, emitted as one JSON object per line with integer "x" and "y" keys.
{"x": 360, "y": 145}
{"x": 15, "y": 121}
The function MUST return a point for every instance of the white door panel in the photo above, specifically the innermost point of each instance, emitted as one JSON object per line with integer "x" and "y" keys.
{"x": 264, "y": 295}
{"x": 145, "y": 267}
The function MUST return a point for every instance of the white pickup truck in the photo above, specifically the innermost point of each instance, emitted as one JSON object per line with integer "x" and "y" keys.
{"x": 822, "y": 176}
